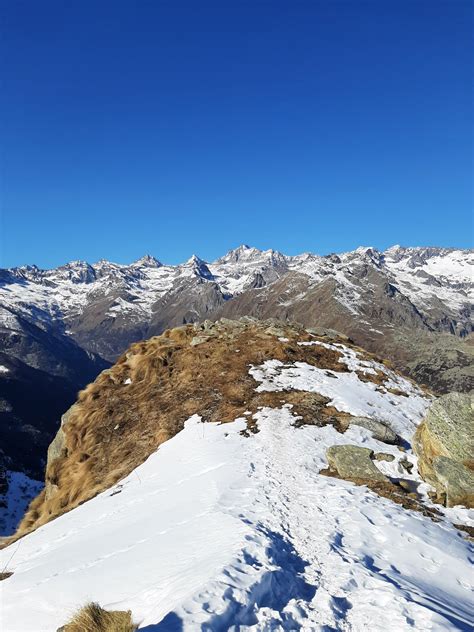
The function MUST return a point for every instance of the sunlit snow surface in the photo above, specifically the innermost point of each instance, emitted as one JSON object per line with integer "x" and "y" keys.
{"x": 217, "y": 531}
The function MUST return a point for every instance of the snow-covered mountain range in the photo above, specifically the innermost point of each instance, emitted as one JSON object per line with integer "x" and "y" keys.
{"x": 433, "y": 279}
{"x": 60, "y": 327}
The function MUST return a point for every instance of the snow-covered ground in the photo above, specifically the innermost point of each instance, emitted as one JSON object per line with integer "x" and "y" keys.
{"x": 217, "y": 531}
{"x": 20, "y": 492}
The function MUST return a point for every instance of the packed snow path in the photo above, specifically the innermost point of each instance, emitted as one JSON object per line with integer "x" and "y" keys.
{"x": 218, "y": 531}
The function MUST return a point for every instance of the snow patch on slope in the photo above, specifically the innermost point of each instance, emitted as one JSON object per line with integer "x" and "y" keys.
{"x": 348, "y": 393}
{"x": 20, "y": 492}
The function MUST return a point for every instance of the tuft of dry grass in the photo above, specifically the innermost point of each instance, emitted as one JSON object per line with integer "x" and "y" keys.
{"x": 145, "y": 398}
{"x": 5, "y": 575}
{"x": 93, "y": 618}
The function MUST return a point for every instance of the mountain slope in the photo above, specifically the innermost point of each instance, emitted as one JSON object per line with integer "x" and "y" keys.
{"x": 235, "y": 525}
{"x": 410, "y": 305}
{"x": 43, "y": 371}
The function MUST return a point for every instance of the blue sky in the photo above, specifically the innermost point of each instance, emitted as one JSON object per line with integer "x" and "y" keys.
{"x": 191, "y": 127}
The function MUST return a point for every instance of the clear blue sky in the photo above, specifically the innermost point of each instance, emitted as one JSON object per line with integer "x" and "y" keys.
{"x": 190, "y": 127}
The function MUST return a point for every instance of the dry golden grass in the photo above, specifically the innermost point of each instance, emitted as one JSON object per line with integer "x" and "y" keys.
{"x": 392, "y": 491}
{"x": 115, "y": 426}
{"x": 93, "y": 618}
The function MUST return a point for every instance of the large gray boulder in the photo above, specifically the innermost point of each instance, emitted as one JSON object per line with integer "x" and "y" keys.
{"x": 457, "y": 481}
{"x": 444, "y": 444}
{"x": 379, "y": 430}
{"x": 353, "y": 462}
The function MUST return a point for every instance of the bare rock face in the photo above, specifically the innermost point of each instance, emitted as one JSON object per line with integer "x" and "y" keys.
{"x": 354, "y": 462}
{"x": 444, "y": 445}
{"x": 56, "y": 450}
{"x": 457, "y": 481}
{"x": 379, "y": 430}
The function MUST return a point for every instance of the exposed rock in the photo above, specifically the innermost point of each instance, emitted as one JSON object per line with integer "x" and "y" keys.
{"x": 353, "y": 462}
{"x": 405, "y": 485}
{"x": 198, "y": 340}
{"x": 457, "y": 481}
{"x": 384, "y": 456}
{"x": 56, "y": 447}
{"x": 406, "y": 465}
{"x": 443, "y": 443}
{"x": 56, "y": 450}
{"x": 379, "y": 431}
{"x": 275, "y": 331}
{"x": 232, "y": 324}
{"x": 324, "y": 332}
{"x": 448, "y": 426}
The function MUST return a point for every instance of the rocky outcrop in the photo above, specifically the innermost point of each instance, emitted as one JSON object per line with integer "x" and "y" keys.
{"x": 353, "y": 462}
{"x": 444, "y": 445}
{"x": 379, "y": 431}
{"x": 456, "y": 481}
{"x": 56, "y": 450}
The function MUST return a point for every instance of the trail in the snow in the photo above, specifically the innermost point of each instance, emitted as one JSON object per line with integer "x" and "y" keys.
{"x": 324, "y": 554}
{"x": 220, "y": 532}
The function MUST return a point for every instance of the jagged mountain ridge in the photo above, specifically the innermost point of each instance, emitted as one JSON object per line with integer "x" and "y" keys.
{"x": 105, "y": 306}
{"x": 411, "y": 305}
{"x": 432, "y": 279}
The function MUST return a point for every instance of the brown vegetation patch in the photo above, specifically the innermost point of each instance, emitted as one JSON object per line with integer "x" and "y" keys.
{"x": 93, "y": 618}
{"x": 397, "y": 391}
{"x": 310, "y": 409}
{"x": 5, "y": 575}
{"x": 396, "y": 492}
{"x": 379, "y": 377}
{"x": 145, "y": 398}
{"x": 469, "y": 531}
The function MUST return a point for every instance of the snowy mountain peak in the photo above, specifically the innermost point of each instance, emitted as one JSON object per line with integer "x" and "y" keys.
{"x": 77, "y": 272}
{"x": 198, "y": 267}
{"x": 147, "y": 261}
{"x": 243, "y": 252}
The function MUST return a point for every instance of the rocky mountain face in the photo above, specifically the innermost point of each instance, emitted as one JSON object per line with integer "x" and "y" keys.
{"x": 243, "y": 474}
{"x": 41, "y": 371}
{"x": 444, "y": 444}
{"x": 60, "y": 327}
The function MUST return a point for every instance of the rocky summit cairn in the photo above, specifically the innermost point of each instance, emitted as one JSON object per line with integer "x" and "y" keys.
{"x": 444, "y": 444}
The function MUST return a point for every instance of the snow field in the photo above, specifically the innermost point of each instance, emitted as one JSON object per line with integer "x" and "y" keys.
{"x": 217, "y": 531}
